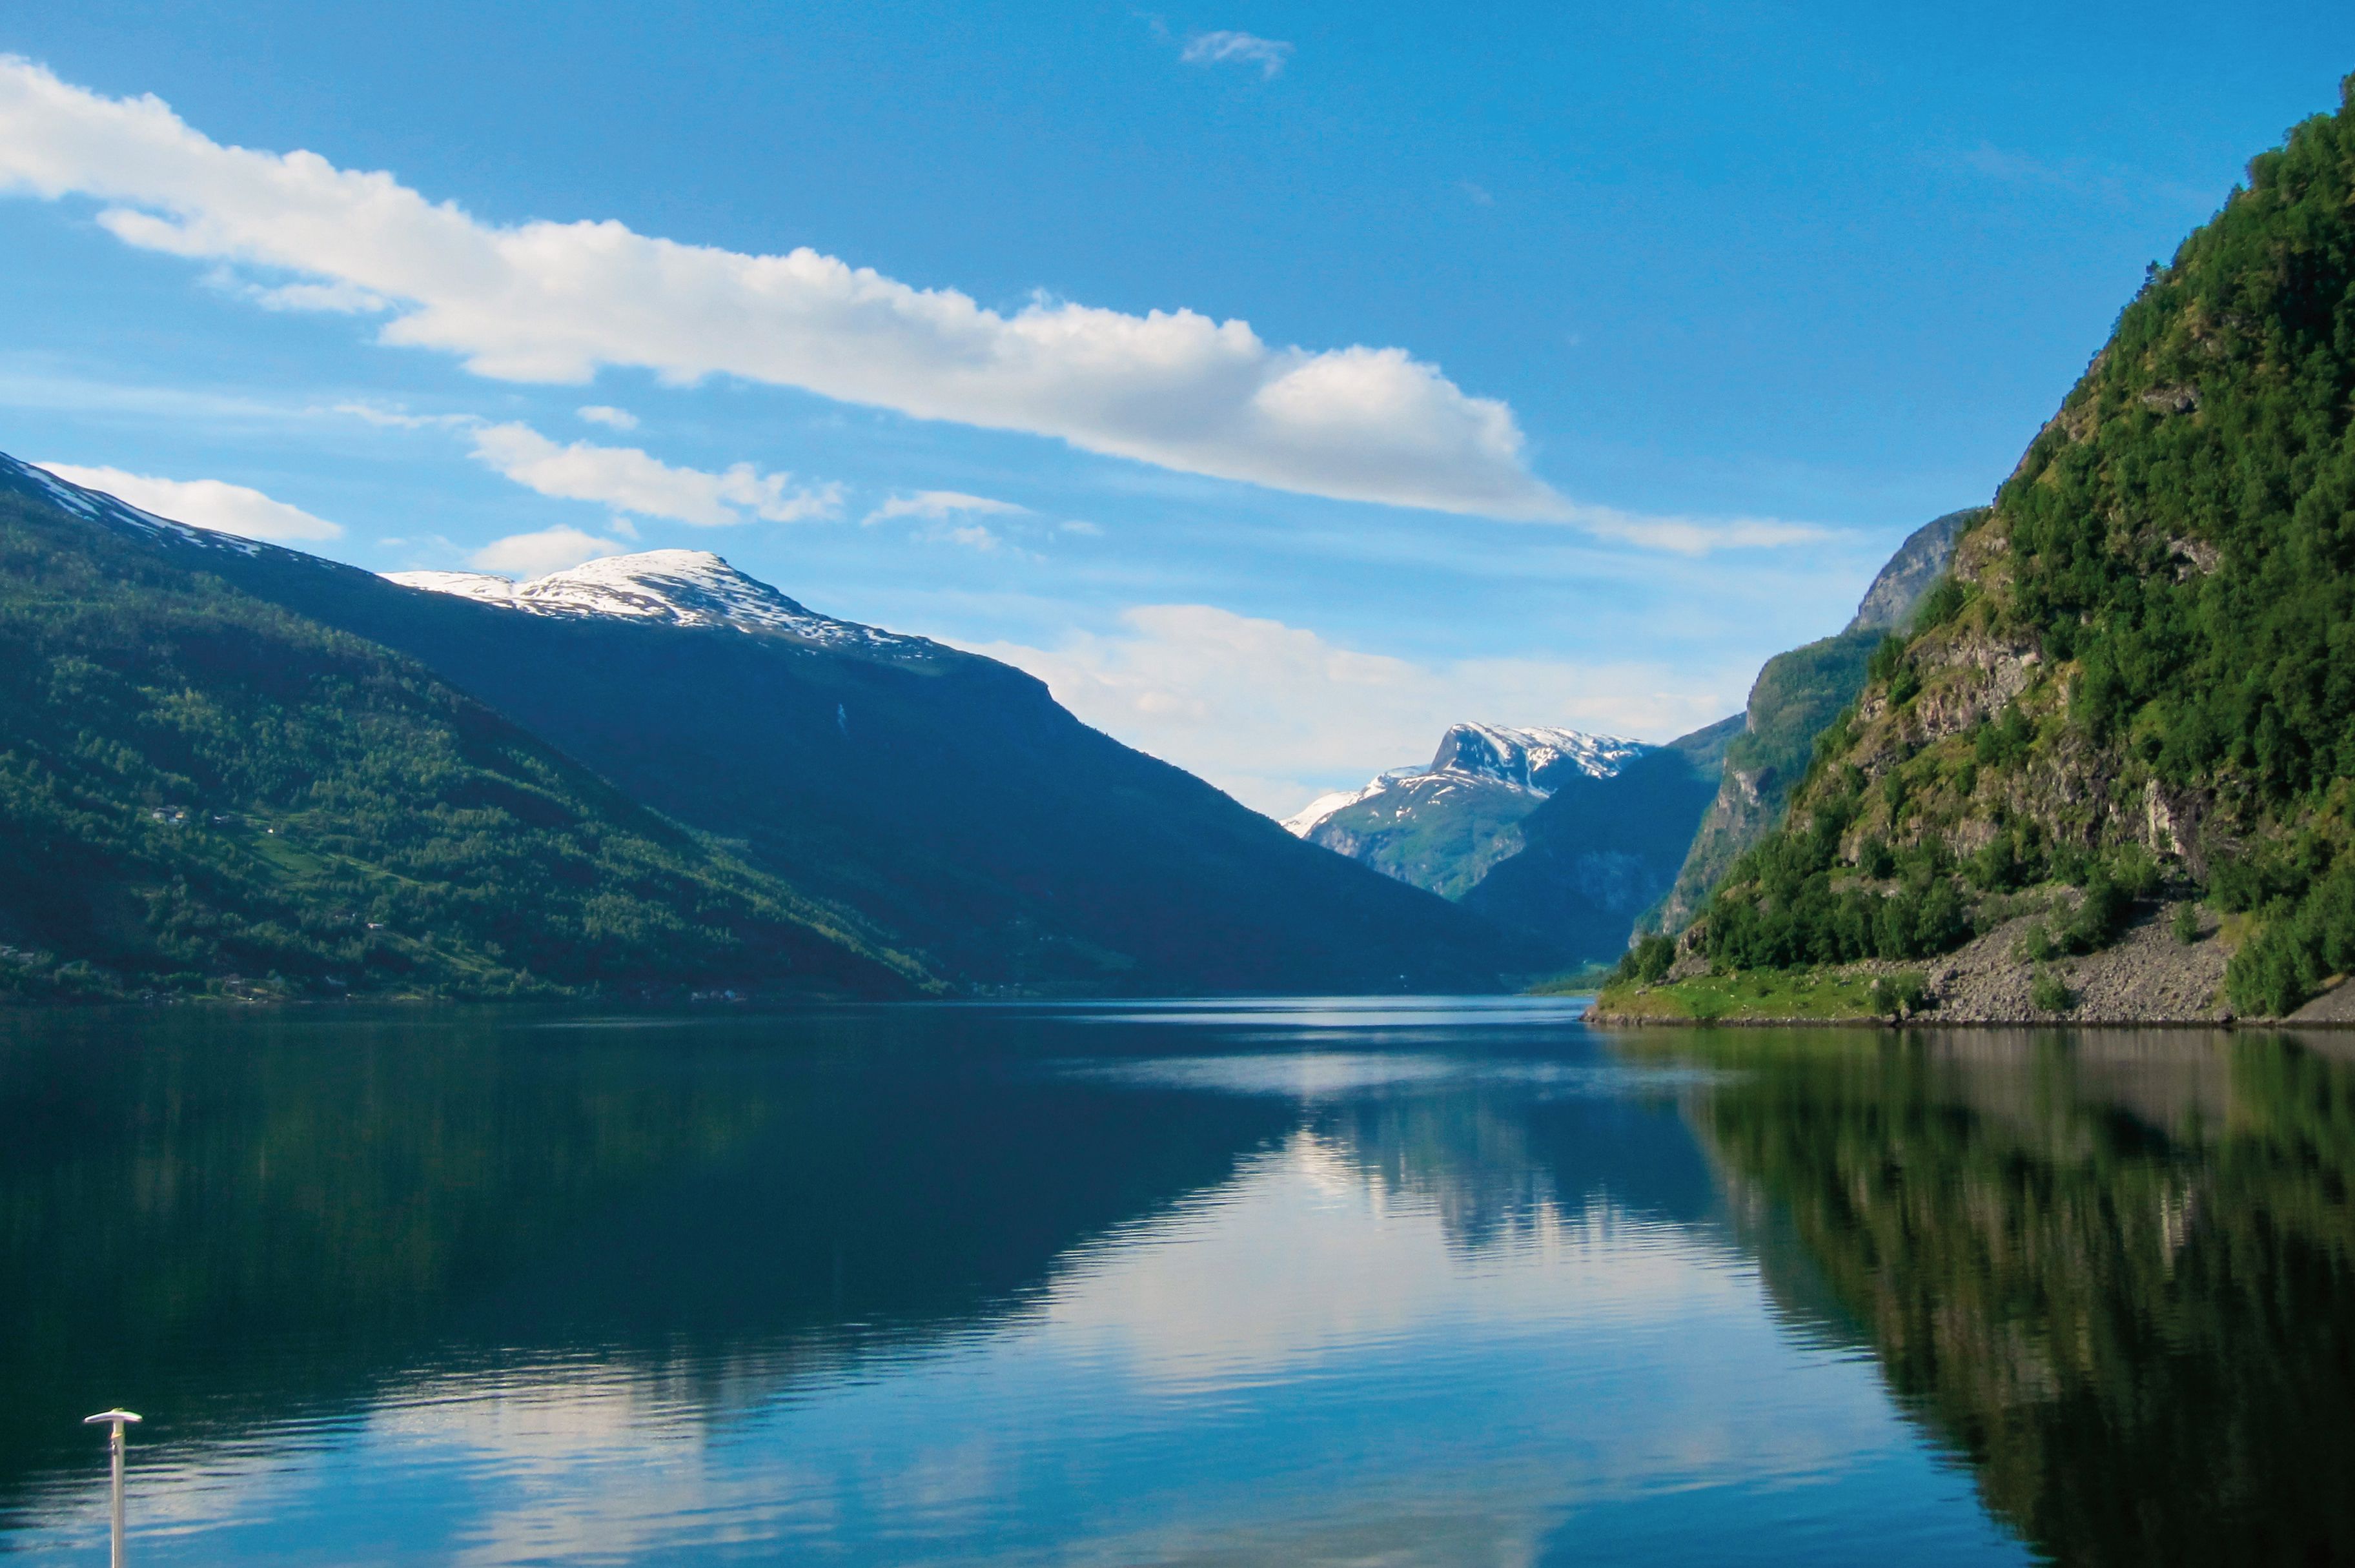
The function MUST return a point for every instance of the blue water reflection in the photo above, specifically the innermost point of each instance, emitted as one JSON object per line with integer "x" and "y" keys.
{"x": 1324, "y": 1282}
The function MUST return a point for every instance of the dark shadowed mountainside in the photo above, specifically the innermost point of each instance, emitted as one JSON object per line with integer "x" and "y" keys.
{"x": 1600, "y": 851}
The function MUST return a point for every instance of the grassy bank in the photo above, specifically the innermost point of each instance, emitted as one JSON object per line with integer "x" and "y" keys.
{"x": 1795, "y": 995}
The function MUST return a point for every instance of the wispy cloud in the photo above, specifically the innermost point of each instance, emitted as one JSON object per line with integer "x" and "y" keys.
{"x": 1225, "y": 47}
{"x": 36, "y": 386}
{"x": 203, "y": 503}
{"x": 402, "y": 419}
{"x": 607, "y": 415}
{"x": 628, "y": 480}
{"x": 1694, "y": 536}
{"x": 949, "y": 518}
{"x": 973, "y": 536}
{"x": 935, "y": 505}
{"x": 336, "y": 298}
{"x": 2084, "y": 177}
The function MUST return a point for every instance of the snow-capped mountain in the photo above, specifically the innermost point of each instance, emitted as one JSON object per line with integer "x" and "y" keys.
{"x": 680, "y": 587}
{"x": 1561, "y": 836}
{"x": 1532, "y": 761}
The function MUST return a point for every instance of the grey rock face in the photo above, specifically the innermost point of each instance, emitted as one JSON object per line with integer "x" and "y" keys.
{"x": 1797, "y": 694}
{"x": 1911, "y": 571}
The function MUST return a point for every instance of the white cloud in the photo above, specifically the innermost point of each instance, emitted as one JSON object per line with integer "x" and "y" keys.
{"x": 942, "y": 510}
{"x": 203, "y": 503}
{"x": 608, "y": 416}
{"x": 536, "y": 555}
{"x": 935, "y": 505}
{"x": 1694, "y": 536}
{"x": 555, "y": 301}
{"x": 1221, "y": 48}
{"x": 338, "y": 297}
{"x": 1274, "y": 714}
{"x": 402, "y": 419}
{"x": 1083, "y": 527}
{"x": 628, "y": 480}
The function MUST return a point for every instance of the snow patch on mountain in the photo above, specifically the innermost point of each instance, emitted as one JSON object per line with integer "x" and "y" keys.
{"x": 677, "y": 587}
{"x": 479, "y": 585}
{"x": 1302, "y": 823}
{"x": 1529, "y": 761}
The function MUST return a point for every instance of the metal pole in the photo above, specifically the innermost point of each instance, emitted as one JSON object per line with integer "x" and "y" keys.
{"x": 114, "y": 1418}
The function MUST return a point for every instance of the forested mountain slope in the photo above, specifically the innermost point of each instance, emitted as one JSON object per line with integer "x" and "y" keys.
{"x": 939, "y": 803}
{"x": 2140, "y": 676}
{"x": 199, "y": 790}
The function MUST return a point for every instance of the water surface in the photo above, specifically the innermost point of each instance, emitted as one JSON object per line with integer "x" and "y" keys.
{"x": 1300, "y": 1282}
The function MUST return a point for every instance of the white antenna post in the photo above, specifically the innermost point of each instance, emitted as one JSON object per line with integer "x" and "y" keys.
{"x": 117, "y": 1419}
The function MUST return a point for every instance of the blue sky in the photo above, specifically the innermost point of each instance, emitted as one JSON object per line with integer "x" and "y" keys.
{"x": 1592, "y": 354}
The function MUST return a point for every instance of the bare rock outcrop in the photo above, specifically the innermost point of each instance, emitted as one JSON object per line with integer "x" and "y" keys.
{"x": 2144, "y": 977}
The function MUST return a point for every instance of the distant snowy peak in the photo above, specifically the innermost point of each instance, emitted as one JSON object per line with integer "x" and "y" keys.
{"x": 677, "y": 587}
{"x": 1530, "y": 762}
{"x": 1531, "y": 759}
{"x": 99, "y": 507}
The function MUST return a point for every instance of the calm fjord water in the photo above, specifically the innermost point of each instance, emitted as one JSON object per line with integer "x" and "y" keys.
{"x": 1406, "y": 1282}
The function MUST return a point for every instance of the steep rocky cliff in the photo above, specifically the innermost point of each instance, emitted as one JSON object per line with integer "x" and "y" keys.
{"x": 1797, "y": 696}
{"x": 1899, "y": 586}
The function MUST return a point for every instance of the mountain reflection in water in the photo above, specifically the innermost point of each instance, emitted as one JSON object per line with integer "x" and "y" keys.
{"x": 1419, "y": 1282}
{"x": 2117, "y": 1269}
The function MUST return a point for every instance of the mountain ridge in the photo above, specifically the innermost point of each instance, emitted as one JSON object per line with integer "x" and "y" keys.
{"x": 674, "y": 587}
{"x": 1525, "y": 761}
{"x": 937, "y": 800}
